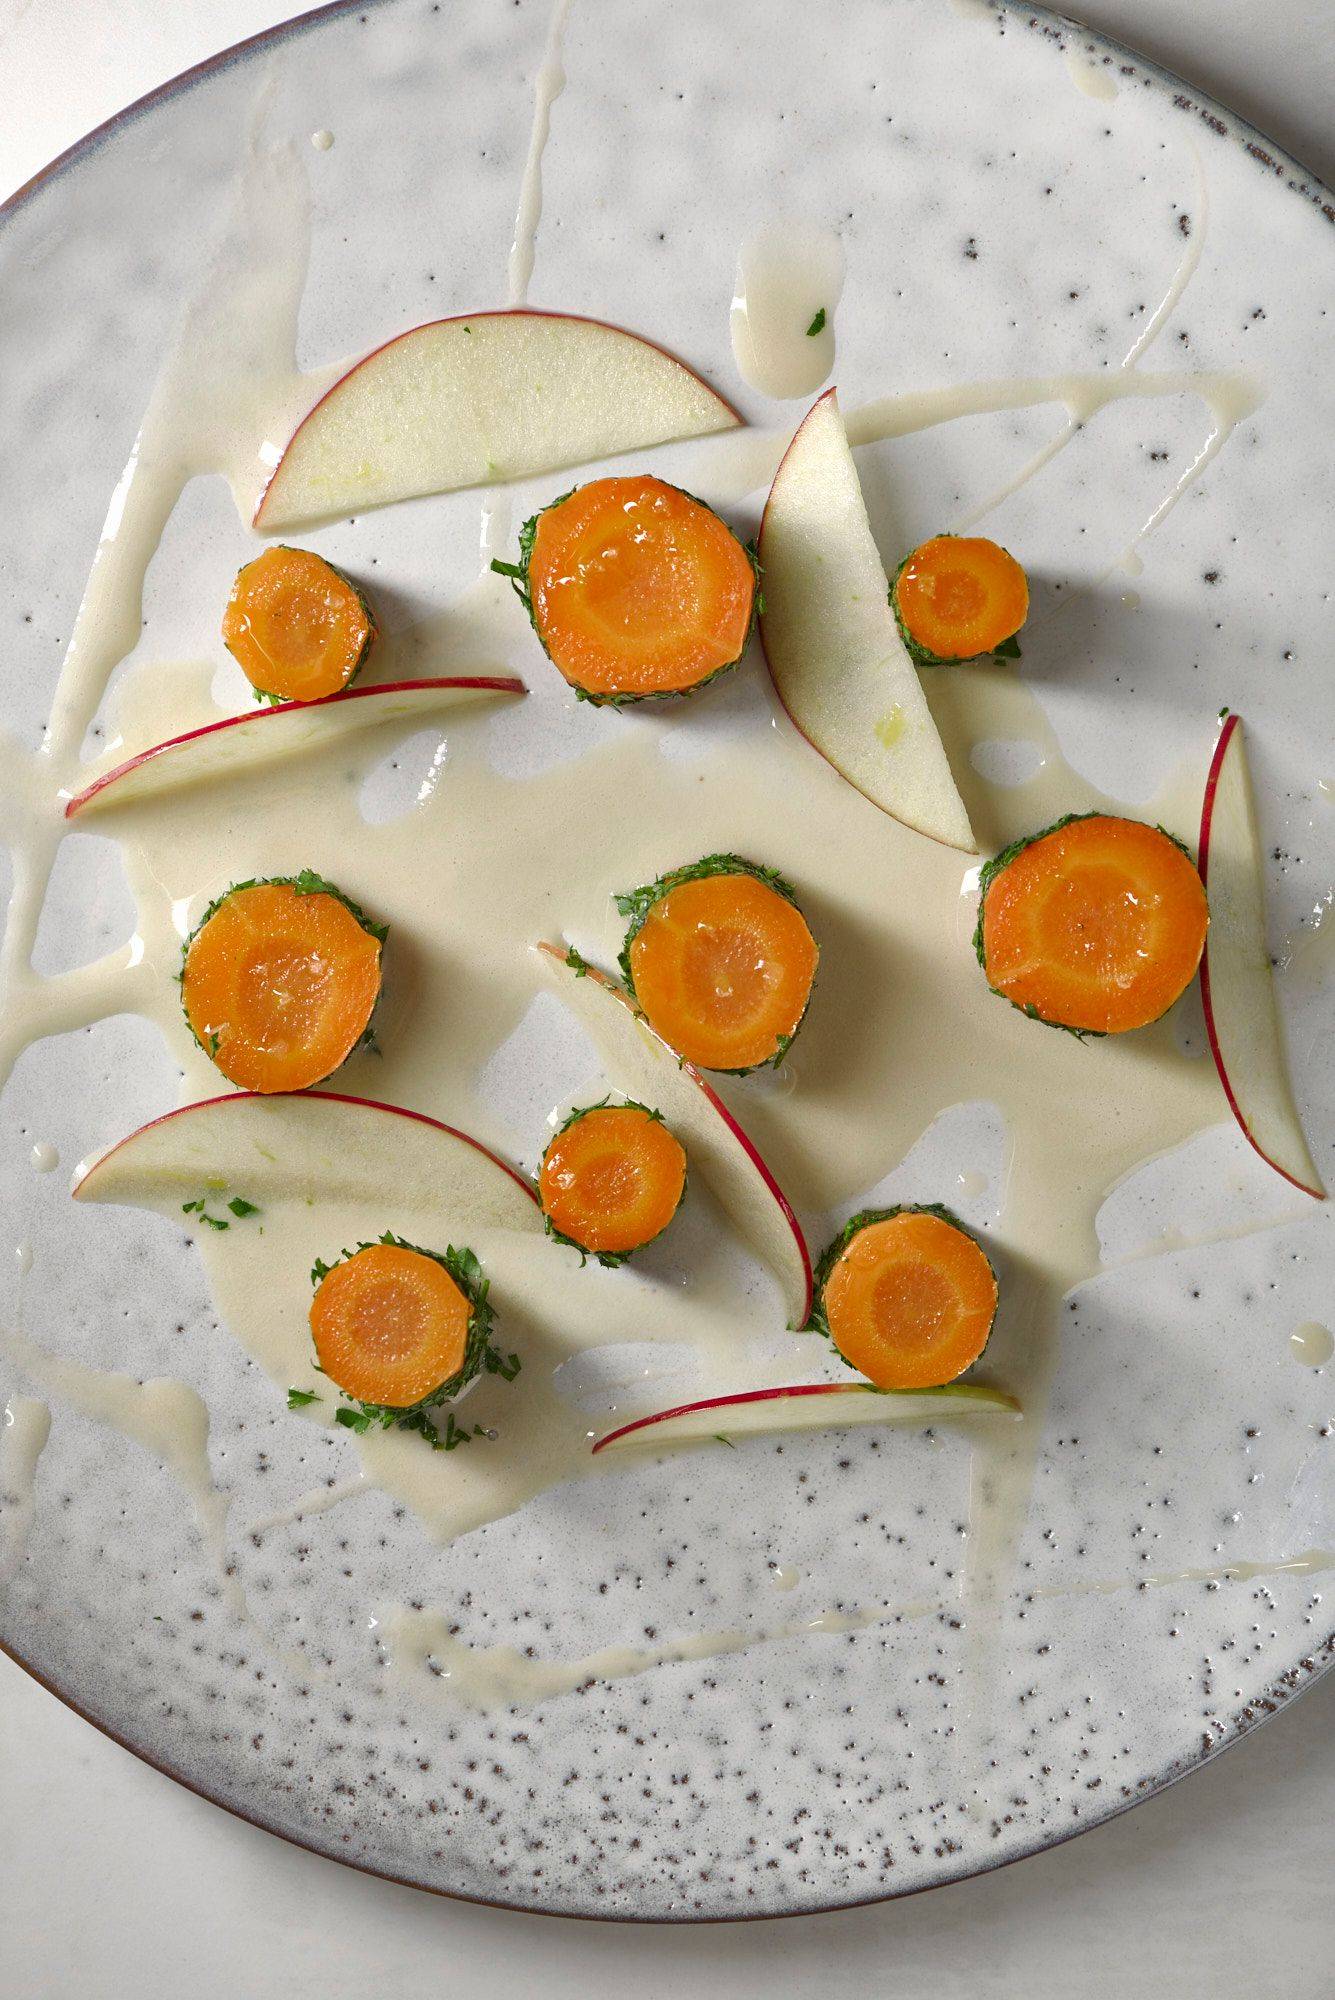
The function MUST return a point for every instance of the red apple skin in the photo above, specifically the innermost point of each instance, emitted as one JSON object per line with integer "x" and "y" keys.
{"x": 322, "y": 1096}
{"x": 730, "y": 1403}
{"x": 689, "y": 1069}
{"x": 499, "y": 684}
{"x": 1231, "y": 723}
{"x": 454, "y": 319}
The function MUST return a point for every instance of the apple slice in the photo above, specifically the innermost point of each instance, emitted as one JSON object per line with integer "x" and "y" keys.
{"x": 264, "y": 735}
{"x": 835, "y": 655}
{"x": 642, "y": 1065}
{"x": 1237, "y": 989}
{"x": 807, "y": 1406}
{"x": 317, "y": 1145}
{"x": 466, "y": 401}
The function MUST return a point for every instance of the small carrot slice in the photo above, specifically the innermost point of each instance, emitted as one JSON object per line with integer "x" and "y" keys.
{"x": 958, "y": 596}
{"x": 297, "y": 626}
{"x": 1096, "y": 925}
{"x": 721, "y": 961}
{"x": 390, "y": 1325}
{"x": 907, "y": 1296}
{"x": 611, "y": 1180}
{"x": 279, "y": 981}
{"x": 635, "y": 589}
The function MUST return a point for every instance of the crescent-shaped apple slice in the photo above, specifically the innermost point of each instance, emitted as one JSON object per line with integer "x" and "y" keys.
{"x": 313, "y": 1145}
{"x": 642, "y": 1065}
{"x": 1237, "y": 988}
{"x": 468, "y": 401}
{"x": 265, "y": 735}
{"x": 835, "y": 655}
{"x": 805, "y": 1406}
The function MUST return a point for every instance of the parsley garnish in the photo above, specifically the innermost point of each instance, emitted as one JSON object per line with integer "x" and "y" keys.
{"x": 297, "y": 1399}
{"x": 817, "y": 324}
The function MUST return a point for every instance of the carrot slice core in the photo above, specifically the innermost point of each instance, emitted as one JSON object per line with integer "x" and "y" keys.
{"x": 390, "y": 1325}
{"x": 296, "y": 625}
{"x": 960, "y": 595}
{"x": 637, "y": 589}
{"x": 613, "y": 1179}
{"x": 279, "y": 986}
{"x": 910, "y": 1301}
{"x": 1097, "y": 925}
{"x": 723, "y": 967}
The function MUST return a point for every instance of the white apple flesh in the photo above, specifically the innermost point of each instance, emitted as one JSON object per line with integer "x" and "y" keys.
{"x": 805, "y": 1406}
{"x": 1237, "y": 987}
{"x": 835, "y": 655}
{"x": 318, "y": 1146}
{"x": 641, "y": 1064}
{"x": 468, "y": 401}
{"x": 267, "y": 735}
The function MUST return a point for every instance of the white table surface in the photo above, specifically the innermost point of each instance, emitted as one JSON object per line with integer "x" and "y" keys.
{"x": 117, "y": 1885}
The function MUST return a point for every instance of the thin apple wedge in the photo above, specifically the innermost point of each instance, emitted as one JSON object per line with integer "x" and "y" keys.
{"x": 312, "y": 1145}
{"x": 1237, "y": 989}
{"x": 835, "y": 655}
{"x": 471, "y": 400}
{"x": 645, "y": 1068}
{"x": 267, "y": 735}
{"x": 807, "y": 1406}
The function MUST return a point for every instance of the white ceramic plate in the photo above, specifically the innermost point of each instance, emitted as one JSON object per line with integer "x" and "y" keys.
{"x": 1015, "y": 199}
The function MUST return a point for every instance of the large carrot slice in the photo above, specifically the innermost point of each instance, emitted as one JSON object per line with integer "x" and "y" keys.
{"x": 720, "y": 958}
{"x": 280, "y": 979}
{"x": 297, "y": 626}
{"x": 958, "y": 596}
{"x": 1096, "y": 924}
{"x": 635, "y": 589}
{"x": 611, "y": 1180}
{"x": 907, "y": 1296}
{"x": 401, "y": 1330}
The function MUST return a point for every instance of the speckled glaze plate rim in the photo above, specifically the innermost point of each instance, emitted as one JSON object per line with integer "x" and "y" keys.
{"x": 1270, "y": 158}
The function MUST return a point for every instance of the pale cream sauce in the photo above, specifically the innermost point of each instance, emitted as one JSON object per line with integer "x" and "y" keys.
{"x": 551, "y": 81}
{"x": 167, "y": 1418}
{"x": 1312, "y": 1343}
{"x": 425, "y": 1651}
{"x": 1091, "y": 79}
{"x": 896, "y": 971}
{"x": 790, "y": 274}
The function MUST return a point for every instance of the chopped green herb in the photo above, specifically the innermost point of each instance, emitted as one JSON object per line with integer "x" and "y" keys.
{"x": 718, "y": 1435}
{"x": 817, "y": 324}
{"x": 297, "y": 1399}
{"x": 240, "y": 1206}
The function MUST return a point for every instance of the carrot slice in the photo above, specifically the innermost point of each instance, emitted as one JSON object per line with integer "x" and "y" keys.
{"x": 907, "y": 1296}
{"x": 611, "y": 1180}
{"x": 635, "y": 589}
{"x": 958, "y": 596}
{"x": 401, "y": 1330}
{"x": 298, "y": 627}
{"x": 1096, "y": 925}
{"x": 279, "y": 981}
{"x": 720, "y": 959}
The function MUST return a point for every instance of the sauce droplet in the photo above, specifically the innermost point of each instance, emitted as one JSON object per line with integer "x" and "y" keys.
{"x": 1312, "y": 1343}
{"x": 44, "y": 1158}
{"x": 322, "y": 141}
{"x": 789, "y": 277}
